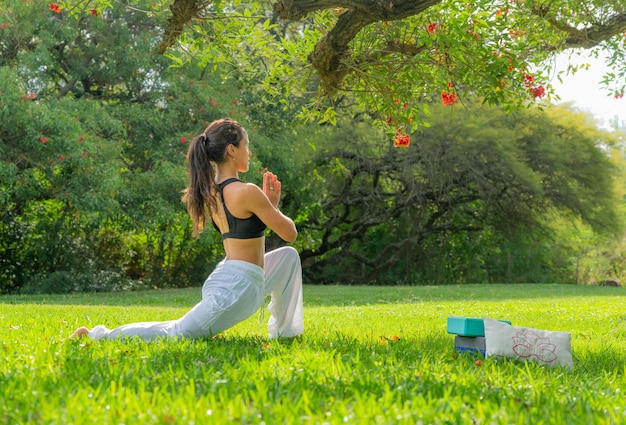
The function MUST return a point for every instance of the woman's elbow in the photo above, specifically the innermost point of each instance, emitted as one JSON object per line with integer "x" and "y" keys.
{"x": 286, "y": 230}
{"x": 291, "y": 235}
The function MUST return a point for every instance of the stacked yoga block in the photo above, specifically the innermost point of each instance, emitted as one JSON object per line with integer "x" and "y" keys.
{"x": 469, "y": 333}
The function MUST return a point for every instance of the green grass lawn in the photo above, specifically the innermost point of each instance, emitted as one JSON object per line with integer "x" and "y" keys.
{"x": 368, "y": 355}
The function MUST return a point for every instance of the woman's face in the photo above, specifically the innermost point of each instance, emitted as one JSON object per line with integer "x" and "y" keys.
{"x": 242, "y": 154}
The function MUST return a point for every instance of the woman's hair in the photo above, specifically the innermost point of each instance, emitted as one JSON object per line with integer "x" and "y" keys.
{"x": 209, "y": 147}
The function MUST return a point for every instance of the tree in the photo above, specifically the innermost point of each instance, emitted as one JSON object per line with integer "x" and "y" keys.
{"x": 93, "y": 133}
{"x": 483, "y": 173}
{"x": 394, "y": 56}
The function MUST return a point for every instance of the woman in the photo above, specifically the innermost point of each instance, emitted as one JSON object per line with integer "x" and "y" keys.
{"x": 240, "y": 212}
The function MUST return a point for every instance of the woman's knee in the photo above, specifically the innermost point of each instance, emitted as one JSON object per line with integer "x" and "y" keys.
{"x": 291, "y": 255}
{"x": 286, "y": 253}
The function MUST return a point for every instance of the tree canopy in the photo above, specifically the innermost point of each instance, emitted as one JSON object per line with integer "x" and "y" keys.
{"x": 393, "y": 57}
{"x": 484, "y": 173}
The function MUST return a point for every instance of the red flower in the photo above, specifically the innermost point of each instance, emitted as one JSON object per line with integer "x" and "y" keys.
{"x": 62, "y": 157}
{"x": 81, "y": 139}
{"x": 43, "y": 140}
{"x": 432, "y": 28}
{"x": 448, "y": 98}
{"x": 529, "y": 79}
{"x": 55, "y": 7}
{"x": 183, "y": 140}
{"x": 537, "y": 92}
{"x": 401, "y": 140}
{"x": 93, "y": 12}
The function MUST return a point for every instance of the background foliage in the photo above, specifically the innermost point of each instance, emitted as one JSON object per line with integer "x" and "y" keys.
{"x": 94, "y": 128}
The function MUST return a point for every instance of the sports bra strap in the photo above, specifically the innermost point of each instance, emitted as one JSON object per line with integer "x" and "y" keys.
{"x": 240, "y": 228}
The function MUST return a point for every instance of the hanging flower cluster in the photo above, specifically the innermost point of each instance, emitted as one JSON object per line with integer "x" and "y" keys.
{"x": 448, "y": 98}
{"x": 401, "y": 139}
{"x": 432, "y": 28}
{"x": 537, "y": 91}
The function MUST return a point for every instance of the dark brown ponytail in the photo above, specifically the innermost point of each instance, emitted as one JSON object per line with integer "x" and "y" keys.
{"x": 207, "y": 149}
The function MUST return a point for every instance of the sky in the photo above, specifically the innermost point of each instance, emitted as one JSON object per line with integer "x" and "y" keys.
{"x": 586, "y": 92}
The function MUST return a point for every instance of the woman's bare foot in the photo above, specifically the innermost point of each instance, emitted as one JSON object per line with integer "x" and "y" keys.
{"x": 79, "y": 333}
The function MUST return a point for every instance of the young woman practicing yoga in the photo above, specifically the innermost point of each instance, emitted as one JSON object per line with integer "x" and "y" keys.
{"x": 237, "y": 287}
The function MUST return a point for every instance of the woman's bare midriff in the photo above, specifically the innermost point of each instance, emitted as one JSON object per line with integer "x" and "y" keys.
{"x": 250, "y": 250}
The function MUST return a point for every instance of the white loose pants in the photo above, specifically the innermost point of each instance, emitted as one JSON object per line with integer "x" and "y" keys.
{"x": 234, "y": 291}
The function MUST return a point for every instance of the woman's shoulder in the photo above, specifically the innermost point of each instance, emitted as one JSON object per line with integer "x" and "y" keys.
{"x": 250, "y": 187}
{"x": 234, "y": 183}
{"x": 245, "y": 191}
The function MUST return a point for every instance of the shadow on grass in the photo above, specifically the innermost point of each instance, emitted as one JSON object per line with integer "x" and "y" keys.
{"x": 335, "y": 295}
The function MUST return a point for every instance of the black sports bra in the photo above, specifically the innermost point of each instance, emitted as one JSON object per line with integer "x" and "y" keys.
{"x": 240, "y": 228}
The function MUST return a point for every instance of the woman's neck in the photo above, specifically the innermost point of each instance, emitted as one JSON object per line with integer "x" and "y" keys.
{"x": 225, "y": 173}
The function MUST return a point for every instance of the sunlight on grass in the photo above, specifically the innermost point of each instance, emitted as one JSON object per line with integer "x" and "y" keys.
{"x": 368, "y": 355}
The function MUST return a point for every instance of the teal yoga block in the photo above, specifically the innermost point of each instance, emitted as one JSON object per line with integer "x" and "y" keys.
{"x": 467, "y": 326}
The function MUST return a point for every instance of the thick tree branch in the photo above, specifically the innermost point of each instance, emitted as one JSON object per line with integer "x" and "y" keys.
{"x": 592, "y": 36}
{"x": 329, "y": 53}
{"x": 182, "y": 12}
{"x": 588, "y": 37}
